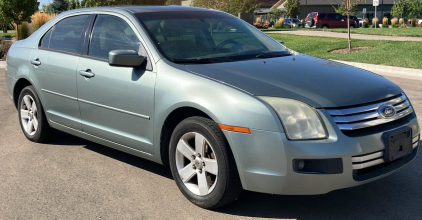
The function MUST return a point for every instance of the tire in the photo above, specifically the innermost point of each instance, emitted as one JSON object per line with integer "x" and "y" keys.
{"x": 220, "y": 183}
{"x": 32, "y": 119}
{"x": 352, "y": 26}
{"x": 324, "y": 26}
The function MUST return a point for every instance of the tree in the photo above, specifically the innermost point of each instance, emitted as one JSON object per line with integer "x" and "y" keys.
{"x": 221, "y": 5}
{"x": 292, "y": 8}
{"x": 5, "y": 22}
{"x": 276, "y": 13}
{"x": 18, "y": 11}
{"x": 400, "y": 9}
{"x": 414, "y": 8}
{"x": 242, "y": 6}
{"x": 59, "y": 5}
{"x": 347, "y": 7}
{"x": 342, "y": 8}
{"x": 73, "y": 4}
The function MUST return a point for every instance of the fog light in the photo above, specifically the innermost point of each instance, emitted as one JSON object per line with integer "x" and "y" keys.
{"x": 301, "y": 165}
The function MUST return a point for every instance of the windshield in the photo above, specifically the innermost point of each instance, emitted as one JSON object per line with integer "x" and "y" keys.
{"x": 204, "y": 37}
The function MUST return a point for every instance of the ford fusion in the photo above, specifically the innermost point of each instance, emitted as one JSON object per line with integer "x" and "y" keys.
{"x": 226, "y": 107}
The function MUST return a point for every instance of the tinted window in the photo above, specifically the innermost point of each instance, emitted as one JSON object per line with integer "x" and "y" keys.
{"x": 321, "y": 16}
{"x": 312, "y": 15}
{"x": 67, "y": 34}
{"x": 45, "y": 41}
{"x": 339, "y": 17}
{"x": 111, "y": 33}
{"x": 331, "y": 16}
{"x": 206, "y": 35}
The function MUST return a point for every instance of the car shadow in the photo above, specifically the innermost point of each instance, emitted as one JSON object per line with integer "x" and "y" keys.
{"x": 67, "y": 139}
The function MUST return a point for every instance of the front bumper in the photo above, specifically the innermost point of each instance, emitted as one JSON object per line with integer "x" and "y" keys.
{"x": 265, "y": 160}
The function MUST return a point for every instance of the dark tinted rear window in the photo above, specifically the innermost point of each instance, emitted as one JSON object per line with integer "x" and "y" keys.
{"x": 312, "y": 15}
{"x": 321, "y": 16}
{"x": 68, "y": 33}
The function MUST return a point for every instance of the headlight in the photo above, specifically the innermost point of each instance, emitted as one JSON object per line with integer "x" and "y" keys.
{"x": 300, "y": 120}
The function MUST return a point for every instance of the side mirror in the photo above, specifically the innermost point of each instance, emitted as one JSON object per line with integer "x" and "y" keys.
{"x": 281, "y": 42}
{"x": 125, "y": 58}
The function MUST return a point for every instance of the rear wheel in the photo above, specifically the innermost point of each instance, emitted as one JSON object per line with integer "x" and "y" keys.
{"x": 352, "y": 26}
{"x": 324, "y": 26}
{"x": 202, "y": 164}
{"x": 32, "y": 118}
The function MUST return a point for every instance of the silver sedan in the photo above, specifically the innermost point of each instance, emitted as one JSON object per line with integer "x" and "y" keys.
{"x": 225, "y": 106}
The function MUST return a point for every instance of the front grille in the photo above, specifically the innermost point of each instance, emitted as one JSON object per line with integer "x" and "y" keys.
{"x": 367, "y": 115}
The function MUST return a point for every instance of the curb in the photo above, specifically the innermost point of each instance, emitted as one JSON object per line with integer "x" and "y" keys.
{"x": 2, "y": 64}
{"x": 409, "y": 73}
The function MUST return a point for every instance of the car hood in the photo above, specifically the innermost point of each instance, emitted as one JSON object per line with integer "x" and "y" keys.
{"x": 318, "y": 82}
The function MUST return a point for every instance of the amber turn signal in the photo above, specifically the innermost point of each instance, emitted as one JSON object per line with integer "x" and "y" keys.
{"x": 234, "y": 128}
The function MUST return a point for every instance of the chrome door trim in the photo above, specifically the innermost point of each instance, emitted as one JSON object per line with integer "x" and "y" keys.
{"x": 99, "y": 105}
{"x": 115, "y": 109}
{"x": 100, "y": 138}
{"x": 59, "y": 94}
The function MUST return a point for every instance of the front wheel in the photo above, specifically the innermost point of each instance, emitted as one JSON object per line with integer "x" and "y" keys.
{"x": 202, "y": 164}
{"x": 352, "y": 26}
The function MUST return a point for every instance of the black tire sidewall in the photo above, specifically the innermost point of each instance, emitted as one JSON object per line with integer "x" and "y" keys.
{"x": 192, "y": 125}
{"x": 29, "y": 90}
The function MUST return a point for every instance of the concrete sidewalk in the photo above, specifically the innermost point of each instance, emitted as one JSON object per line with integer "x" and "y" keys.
{"x": 344, "y": 35}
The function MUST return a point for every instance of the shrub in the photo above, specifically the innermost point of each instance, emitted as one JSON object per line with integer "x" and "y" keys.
{"x": 375, "y": 20}
{"x": 385, "y": 22}
{"x": 279, "y": 25}
{"x": 258, "y": 20}
{"x": 4, "y": 47}
{"x": 401, "y": 21}
{"x": 281, "y": 20}
{"x": 39, "y": 19}
{"x": 413, "y": 22}
{"x": 365, "y": 23}
{"x": 261, "y": 26}
{"x": 394, "y": 21}
{"x": 23, "y": 31}
{"x": 395, "y": 25}
{"x": 303, "y": 23}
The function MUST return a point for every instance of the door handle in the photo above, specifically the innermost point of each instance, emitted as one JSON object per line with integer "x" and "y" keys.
{"x": 36, "y": 62}
{"x": 86, "y": 73}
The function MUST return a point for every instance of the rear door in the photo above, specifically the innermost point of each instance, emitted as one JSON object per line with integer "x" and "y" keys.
{"x": 341, "y": 21}
{"x": 116, "y": 103}
{"x": 54, "y": 70}
{"x": 310, "y": 20}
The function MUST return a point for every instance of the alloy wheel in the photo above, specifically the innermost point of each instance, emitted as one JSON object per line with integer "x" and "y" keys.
{"x": 196, "y": 163}
{"x": 29, "y": 115}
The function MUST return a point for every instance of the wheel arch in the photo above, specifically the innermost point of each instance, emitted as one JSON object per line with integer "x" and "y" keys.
{"x": 172, "y": 120}
{"x": 19, "y": 85}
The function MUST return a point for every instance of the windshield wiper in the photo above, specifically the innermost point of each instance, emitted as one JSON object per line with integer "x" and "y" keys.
{"x": 202, "y": 60}
{"x": 270, "y": 55}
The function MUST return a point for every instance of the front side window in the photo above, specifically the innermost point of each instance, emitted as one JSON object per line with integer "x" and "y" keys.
{"x": 111, "y": 33}
{"x": 207, "y": 37}
{"x": 67, "y": 34}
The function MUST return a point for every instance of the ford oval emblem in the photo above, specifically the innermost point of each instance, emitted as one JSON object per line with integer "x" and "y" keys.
{"x": 387, "y": 111}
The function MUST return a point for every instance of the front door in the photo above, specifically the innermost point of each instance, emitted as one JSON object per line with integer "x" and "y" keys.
{"x": 54, "y": 70}
{"x": 116, "y": 103}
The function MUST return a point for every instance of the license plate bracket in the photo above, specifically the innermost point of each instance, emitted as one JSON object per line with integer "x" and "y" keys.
{"x": 398, "y": 143}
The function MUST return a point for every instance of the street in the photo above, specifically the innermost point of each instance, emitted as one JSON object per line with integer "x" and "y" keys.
{"x": 71, "y": 178}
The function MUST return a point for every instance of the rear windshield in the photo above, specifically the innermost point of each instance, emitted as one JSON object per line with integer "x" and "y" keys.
{"x": 202, "y": 35}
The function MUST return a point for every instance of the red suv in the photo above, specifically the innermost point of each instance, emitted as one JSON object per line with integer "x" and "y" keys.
{"x": 327, "y": 20}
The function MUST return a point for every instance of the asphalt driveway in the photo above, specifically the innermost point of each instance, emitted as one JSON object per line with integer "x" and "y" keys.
{"x": 71, "y": 178}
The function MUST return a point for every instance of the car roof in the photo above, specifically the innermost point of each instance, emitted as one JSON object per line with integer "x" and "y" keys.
{"x": 144, "y": 9}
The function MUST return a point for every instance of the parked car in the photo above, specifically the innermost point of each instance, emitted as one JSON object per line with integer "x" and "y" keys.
{"x": 327, "y": 20}
{"x": 227, "y": 109}
{"x": 354, "y": 18}
{"x": 288, "y": 22}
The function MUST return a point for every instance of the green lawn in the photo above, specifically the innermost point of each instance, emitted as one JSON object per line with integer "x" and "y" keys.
{"x": 402, "y": 32}
{"x": 282, "y": 29}
{"x": 8, "y": 34}
{"x": 391, "y": 53}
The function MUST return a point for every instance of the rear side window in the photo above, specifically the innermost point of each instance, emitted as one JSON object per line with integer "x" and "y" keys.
{"x": 45, "y": 41}
{"x": 331, "y": 16}
{"x": 321, "y": 16}
{"x": 111, "y": 33}
{"x": 67, "y": 34}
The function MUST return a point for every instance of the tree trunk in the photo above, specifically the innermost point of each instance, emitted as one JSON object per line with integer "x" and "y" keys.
{"x": 5, "y": 29}
{"x": 17, "y": 32}
{"x": 348, "y": 24}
